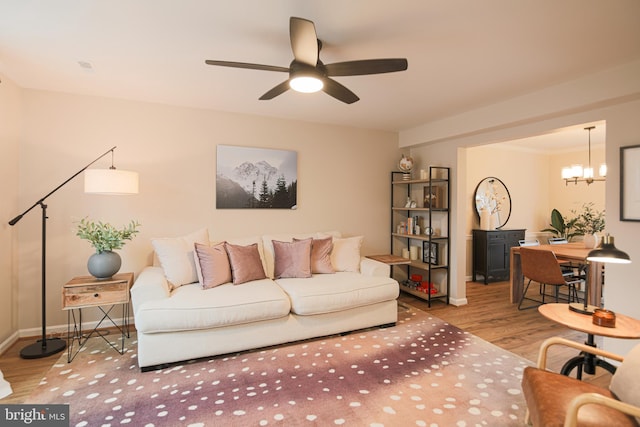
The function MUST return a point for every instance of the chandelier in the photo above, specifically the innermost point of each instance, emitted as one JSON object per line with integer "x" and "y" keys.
{"x": 578, "y": 173}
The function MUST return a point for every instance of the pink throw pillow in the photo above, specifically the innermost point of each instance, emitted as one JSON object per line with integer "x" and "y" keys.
{"x": 214, "y": 263}
{"x": 321, "y": 256}
{"x": 245, "y": 263}
{"x": 292, "y": 259}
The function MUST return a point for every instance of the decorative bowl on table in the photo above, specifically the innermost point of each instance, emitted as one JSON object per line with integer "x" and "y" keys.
{"x": 603, "y": 317}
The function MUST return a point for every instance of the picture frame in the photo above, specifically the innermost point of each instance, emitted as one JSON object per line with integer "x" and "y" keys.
{"x": 430, "y": 198}
{"x": 630, "y": 183}
{"x": 430, "y": 252}
{"x": 256, "y": 178}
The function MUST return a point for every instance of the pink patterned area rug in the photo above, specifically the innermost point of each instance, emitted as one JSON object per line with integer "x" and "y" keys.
{"x": 422, "y": 372}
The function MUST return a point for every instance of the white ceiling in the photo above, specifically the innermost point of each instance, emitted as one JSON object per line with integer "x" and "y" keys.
{"x": 462, "y": 54}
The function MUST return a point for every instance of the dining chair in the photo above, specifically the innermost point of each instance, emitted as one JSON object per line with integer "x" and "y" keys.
{"x": 541, "y": 266}
{"x": 530, "y": 242}
{"x": 569, "y": 268}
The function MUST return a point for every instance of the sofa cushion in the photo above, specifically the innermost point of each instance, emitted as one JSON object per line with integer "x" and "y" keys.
{"x": 190, "y": 307}
{"x": 292, "y": 259}
{"x": 214, "y": 265}
{"x": 176, "y": 256}
{"x": 326, "y": 293}
{"x": 245, "y": 262}
{"x": 345, "y": 255}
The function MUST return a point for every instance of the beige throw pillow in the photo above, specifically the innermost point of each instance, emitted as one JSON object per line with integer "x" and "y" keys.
{"x": 625, "y": 383}
{"x": 345, "y": 255}
{"x": 176, "y": 256}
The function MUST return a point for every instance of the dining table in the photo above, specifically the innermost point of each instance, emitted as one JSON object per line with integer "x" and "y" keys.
{"x": 575, "y": 252}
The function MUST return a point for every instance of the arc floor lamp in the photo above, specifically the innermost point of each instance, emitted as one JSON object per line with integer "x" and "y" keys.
{"x": 97, "y": 181}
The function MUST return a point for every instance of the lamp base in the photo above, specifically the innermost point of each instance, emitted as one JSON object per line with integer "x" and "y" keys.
{"x": 580, "y": 308}
{"x": 39, "y": 349}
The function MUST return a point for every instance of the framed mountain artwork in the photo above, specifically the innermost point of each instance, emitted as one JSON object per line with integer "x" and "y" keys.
{"x": 256, "y": 178}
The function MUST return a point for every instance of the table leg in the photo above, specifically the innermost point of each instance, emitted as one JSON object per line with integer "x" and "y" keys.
{"x": 586, "y": 362}
{"x": 517, "y": 280}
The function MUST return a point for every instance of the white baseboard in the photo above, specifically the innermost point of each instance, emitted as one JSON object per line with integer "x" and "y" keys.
{"x": 4, "y": 345}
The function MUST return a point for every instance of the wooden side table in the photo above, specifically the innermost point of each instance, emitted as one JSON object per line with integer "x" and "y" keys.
{"x": 626, "y": 327}
{"x": 105, "y": 294}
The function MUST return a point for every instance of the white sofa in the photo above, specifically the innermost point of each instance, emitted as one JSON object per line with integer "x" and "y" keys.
{"x": 187, "y": 322}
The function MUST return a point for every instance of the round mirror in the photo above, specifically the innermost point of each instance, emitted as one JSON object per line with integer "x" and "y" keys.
{"x": 492, "y": 194}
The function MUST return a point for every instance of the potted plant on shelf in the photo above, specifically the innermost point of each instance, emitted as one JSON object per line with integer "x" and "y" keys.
{"x": 105, "y": 238}
{"x": 588, "y": 223}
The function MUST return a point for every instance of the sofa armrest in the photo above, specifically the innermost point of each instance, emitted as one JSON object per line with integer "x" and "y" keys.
{"x": 371, "y": 267}
{"x": 150, "y": 285}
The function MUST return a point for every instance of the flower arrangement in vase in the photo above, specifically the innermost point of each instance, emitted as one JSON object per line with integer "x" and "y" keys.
{"x": 105, "y": 238}
{"x": 489, "y": 204}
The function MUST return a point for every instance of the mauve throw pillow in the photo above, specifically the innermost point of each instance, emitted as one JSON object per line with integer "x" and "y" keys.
{"x": 245, "y": 263}
{"x": 214, "y": 263}
{"x": 292, "y": 259}
{"x": 321, "y": 256}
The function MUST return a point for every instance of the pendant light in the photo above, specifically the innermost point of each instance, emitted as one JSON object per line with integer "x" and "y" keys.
{"x": 578, "y": 173}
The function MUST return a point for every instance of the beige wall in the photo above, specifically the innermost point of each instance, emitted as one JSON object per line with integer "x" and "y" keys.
{"x": 10, "y": 114}
{"x": 343, "y": 183}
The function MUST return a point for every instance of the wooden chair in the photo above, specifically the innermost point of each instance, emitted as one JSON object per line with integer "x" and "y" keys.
{"x": 555, "y": 400}
{"x": 542, "y": 266}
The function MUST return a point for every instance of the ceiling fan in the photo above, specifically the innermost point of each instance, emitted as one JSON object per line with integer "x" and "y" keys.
{"x": 308, "y": 74}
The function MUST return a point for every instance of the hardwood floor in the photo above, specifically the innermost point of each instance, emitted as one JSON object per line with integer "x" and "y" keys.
{"x": 488, "y": 315}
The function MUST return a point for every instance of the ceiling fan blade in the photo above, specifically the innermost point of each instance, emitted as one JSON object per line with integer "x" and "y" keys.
{"x": 247, "y": 66}
{"x": 304, "y": 41}
{"x": 367, "y": 66}
{"x": 338, "y": 91}
{"x": 278, "y": 90}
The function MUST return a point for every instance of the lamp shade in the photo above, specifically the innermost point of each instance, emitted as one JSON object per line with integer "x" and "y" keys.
{"x": 607, "y": 252}
{"x": 110, "y": 181}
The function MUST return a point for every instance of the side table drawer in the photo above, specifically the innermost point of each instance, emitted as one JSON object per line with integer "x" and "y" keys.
{"x": 88, "y": 295}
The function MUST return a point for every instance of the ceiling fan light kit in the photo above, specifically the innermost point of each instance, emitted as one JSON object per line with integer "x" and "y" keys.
{"x": 308, "y": 74}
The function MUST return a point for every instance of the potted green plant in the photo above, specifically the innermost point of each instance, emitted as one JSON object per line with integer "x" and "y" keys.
{"x": 589, "y": 222}
{"x": 105, "y": 238}
{"x": 561, "y": 226}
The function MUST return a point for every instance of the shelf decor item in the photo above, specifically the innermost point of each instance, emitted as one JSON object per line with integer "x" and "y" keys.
{"x": 430, "y": 252}
{"x": 405, "y": 165}
{"x": 104, "y": 237}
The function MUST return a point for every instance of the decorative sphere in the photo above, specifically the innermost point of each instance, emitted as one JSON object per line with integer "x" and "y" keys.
{"x": 405, "y": 164}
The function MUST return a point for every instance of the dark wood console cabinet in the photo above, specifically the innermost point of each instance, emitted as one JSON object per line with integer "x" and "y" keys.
{"x": 491, "y": 249}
